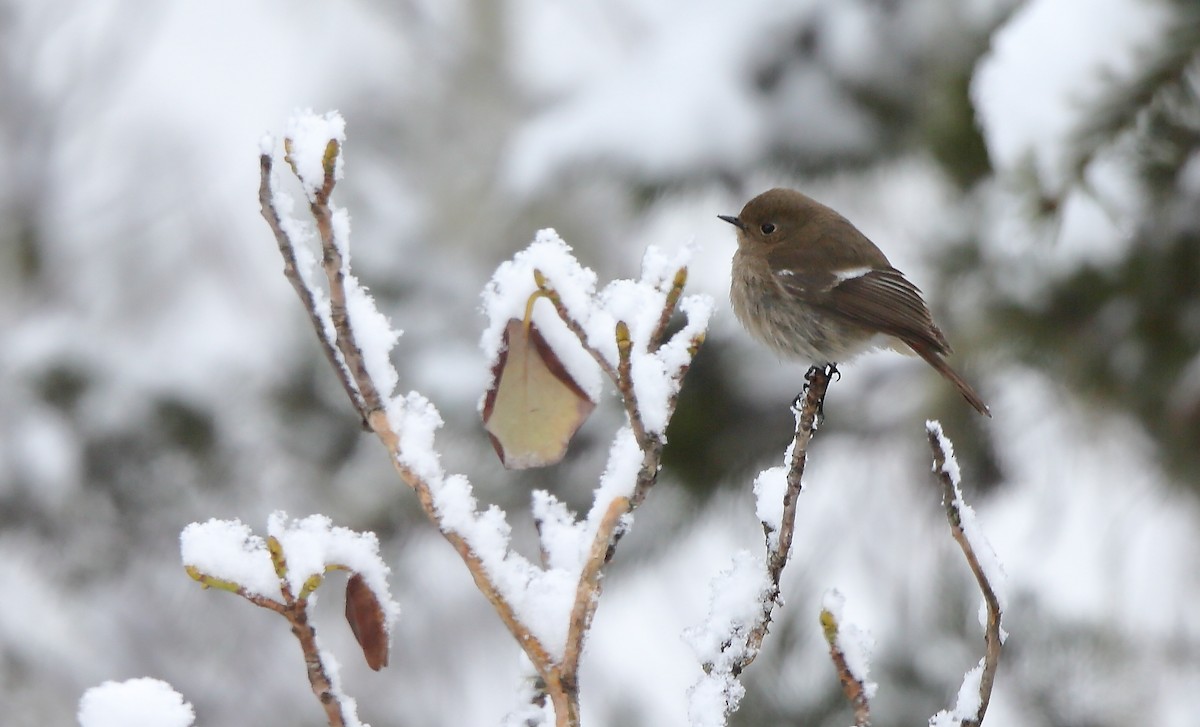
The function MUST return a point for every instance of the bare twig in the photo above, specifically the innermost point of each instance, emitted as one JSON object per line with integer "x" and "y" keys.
{"x": 993, "y": 631}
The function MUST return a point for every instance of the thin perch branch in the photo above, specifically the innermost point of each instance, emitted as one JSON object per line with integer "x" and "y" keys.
{"x": 993, "y": 631}
{"x": 817, "y": 383}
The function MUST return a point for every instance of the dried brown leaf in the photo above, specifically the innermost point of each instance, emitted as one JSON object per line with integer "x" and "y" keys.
{"x": 366, "y": 619}
{"x": 534, "y": 407}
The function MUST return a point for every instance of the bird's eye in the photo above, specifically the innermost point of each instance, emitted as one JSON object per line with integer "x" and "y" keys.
{"x": 767, "y": 228}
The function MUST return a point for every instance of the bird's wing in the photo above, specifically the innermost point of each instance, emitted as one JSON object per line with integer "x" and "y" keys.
{"x": 877, "y": 299}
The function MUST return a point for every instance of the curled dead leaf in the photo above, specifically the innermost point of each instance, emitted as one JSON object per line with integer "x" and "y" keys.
{"x": 366, "y": 619}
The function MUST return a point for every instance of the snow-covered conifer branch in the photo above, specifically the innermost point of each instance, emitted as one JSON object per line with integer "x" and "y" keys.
{"x": 976, "y": 691}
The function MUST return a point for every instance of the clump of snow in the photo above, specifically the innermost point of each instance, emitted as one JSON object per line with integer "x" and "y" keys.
{"x": 966, "y": 707}
{"x": 229, "y": 550}
{"x": 737, "y": 598}
{"x": 374, "y": 335}
{"x": 1031, "y": 106}
{"x": 713, "y": 698}
{"x": 313, "y": 544}
{"x": 563, "y": 538}
{"x": 769, "y": 489}
{"x": 637, "y": 303}
{"x": 310, "y": 135}
{"x": 415, "y": 421}
{"x": 141, "y": 702}
{"x": 541, "y": 599}
{"x": 855, "y": 644}
{"x": 620, "y": 475}
{"x": 507, "y": 294}
{"x": 532, "y": 710}
{"x": 989, "y": 563}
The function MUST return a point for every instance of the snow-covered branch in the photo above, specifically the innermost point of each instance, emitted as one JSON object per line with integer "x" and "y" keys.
{"x": 566, "y": 347}
{"x": 282, "y": 572}
{"x": 976, "y": 690}
{"x": 744, "y": 598}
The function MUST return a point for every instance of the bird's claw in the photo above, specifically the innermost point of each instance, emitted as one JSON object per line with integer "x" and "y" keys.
{"x": 829, "y": 371}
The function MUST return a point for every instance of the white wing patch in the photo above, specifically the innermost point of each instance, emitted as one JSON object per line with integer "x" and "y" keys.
{"x": 844, "y": 275}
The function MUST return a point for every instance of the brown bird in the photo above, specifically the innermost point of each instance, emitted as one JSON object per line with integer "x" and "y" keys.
{"x": 808, "y": 284}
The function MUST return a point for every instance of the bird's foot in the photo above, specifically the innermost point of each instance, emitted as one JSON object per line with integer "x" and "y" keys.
{"x": 829, "y": 371}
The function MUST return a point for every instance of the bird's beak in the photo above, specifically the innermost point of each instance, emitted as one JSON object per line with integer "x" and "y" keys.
{"x": 733, "y": 221}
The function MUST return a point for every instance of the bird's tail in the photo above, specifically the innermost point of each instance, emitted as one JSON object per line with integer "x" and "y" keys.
{"x": 935, "y": 360}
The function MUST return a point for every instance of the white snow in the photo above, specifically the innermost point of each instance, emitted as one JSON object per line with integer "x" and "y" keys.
{"x": 541, "y": 599}
{"x": 619, "y": 477}
{"x": 374, "y": 335}
{"x": 855, "y": 644}
{"x": 1050, "y": 61}
{"x": 508, "y": 292}
{"x": 228, "y": 550}
{"x": 638, "y": 304}
{"x": 713, "y": 698}
{"x": 967, "y": 704}
{"x": 143, "y": 702}
{"x": 562, "y": 537}
{"x": 333, "y": 670}
{"x": 313, "y": 544}
{"x": 736, "y": 598}
{"x": 310, "y": 135}
{"x": 769, "y": 489}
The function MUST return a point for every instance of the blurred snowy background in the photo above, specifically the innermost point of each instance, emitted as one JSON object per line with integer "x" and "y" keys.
{"x": 1034, "y": 166}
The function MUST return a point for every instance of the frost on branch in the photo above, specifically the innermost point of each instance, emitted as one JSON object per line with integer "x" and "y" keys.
{"x": 144, "y": 702}
{"x": 745, "y": 595}
{"x": 586, "y": 336}
{"x": 724, "y": 642}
